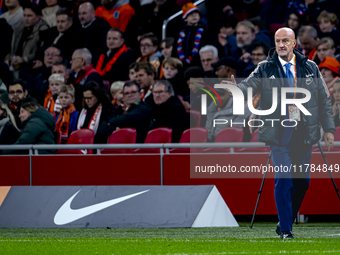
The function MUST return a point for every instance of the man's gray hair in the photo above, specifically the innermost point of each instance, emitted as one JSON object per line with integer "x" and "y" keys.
{"x": 247, "y": 24}
{"x": 209, "y": 48}
{"x": 85, "y": 54}
{"x": 311, "y": 31}
{"x": 167, "y": 84}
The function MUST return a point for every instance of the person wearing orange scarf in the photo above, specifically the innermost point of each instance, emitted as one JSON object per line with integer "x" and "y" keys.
{"x": 114, "y": 64}
{"x": 51, "y": 102}
{"x": 66, "y": 121}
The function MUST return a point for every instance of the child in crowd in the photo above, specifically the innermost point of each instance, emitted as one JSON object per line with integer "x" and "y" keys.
{"x": 336, "y": 103}
{"x": 51, "y": 102}
{"x": 67, "y": 120}
{"x": 192, "y": 37}
{"x": 132, "y": 71}
{"x": 117, "y": 93}
{"x": 167, "y": 51}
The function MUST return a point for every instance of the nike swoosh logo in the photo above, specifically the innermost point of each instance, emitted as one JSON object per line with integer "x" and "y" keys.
{"x": 66, "y": 214}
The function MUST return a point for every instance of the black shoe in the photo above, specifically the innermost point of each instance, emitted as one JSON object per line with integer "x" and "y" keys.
{"x": 287, "y": 235}
{"x": 278, "y": 229}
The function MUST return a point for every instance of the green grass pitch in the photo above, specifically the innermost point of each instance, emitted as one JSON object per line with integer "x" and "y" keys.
{"x": 312, "y": 238}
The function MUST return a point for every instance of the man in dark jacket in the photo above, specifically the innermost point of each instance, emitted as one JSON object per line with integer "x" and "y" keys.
{"x": 168, "y": 110}
{"x": 16, "y": 94}
{"x": 291, "y": 139}
{"x": 136, "y": 115}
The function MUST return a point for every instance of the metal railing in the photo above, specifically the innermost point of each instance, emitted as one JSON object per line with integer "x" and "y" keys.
{"x": 33, "y": 149}
{"x": 166, "y": 22}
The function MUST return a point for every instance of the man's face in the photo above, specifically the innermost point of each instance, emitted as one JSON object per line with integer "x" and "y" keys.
{"x": 327, "y": 74}
{"x": 90, "y": 99}
{"x": 144, "y": 80}
{"x": 16, "y": 93}
{"x": 11, "y": 4}
{"x": 114, "y": 40}
{"x": 307, "y": 44}
{"x": 65, "y": 99}
{"x": 160, "y": 95}
{"x": 193, "y": 18}
{"x": 51, "y": 56}
{"x": 60, "y": 69}
{"x": 285, "y": 43}
{"x": 323, "y": 51}
{"x": 85, "y": 13}
{"x": 336, "y": 92}
{"x": 146, "y": 47}
{"x": 51, "y": 2}
{"x": 207, "y": 58}
{"x": 169, "y": 71}
{"x": 166, "y": 51}
{"x": 258, "y": 55}
{"x": 222, "y": 72}
{"x": 195, "y": 83}
{"x": 326, "y": 26}
{"x": 30, "y": 17}
{"x": 77, "y": 62}
{"x": 244, "y": 36}
{"x": 63, "y": 23}
{"x": 131, "y": 95}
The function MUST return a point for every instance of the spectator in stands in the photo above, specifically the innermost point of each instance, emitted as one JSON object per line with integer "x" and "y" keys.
{"x": 49, "y": 12}
{"x": 136, "y": 114}
{"x": 168, "y": 110}
{"x": 82, "y": 72}
{"x": 96, "y": 107}
{"x": 52, "y": 102}
{"x": 294, "y": 21}
{"x": 114, "y": 64}
{"x": 150, "y": 17}
{"x": 225, "y": 67}
{"x": 40, "y": 85}
{"x": 225, "y": 112}
{"x": 308, "y": 38}
{"x": 116, "y": 12}
{"x": 92, "y": 32}
{"x": 38, "y": 126}
{"x": 329, "y": 69}
{"x": 16, "y": 94}
{"x": 167, "y": 47}
{"x": 208, "y": 55}
{"x": 259, "y": 52}
{"x": 148, "y": 44}
{"x": 327, "y": 24}
{"x": 245, "y": 34}
{"x": 145, "y": 76}
{"x": 9, "y": 132}
{"x": 26, "y": 38}
{"x": 15, "y": 14}
{"x": 117, "y": 94}
{"x": 63, "y": 34}
{"x": 193, "y": 76}
{"x": 226, "y": 40}
{"x": 336, "y": 103}
{"x": 132, "y": 71}
{"x": 173, "y": 72}
{"x": 60, "y": 68}
{"x": 325, "y": 48}
{"x": 261, "y": 33}
{"x": 192, "y": 37}
{"x": 66, "y": 121}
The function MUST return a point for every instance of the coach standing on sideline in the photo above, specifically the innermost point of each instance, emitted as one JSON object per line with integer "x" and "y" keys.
{"x": 290, "y": 145}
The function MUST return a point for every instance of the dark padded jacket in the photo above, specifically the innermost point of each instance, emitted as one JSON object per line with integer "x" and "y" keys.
{"x": 268, "y": 74}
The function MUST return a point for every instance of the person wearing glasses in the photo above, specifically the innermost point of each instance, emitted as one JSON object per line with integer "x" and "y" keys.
{"x": 136, "y": 114}
{"x": 16, "y": 93}
{"x": 259, "y": 51}
{"x": 148, "y": 45}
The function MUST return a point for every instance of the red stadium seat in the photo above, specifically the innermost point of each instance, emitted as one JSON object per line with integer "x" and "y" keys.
{"x": 255, "y": 149}
{"x": 227, "y": 135}
{"x": 195, "y": 118}
{"x": 336, "y": 139}
{"x": 157, "y": 135}
{"x": 81, "y": 136}
{"x": 192, "y": 135}
{"x": 123, "y": 135}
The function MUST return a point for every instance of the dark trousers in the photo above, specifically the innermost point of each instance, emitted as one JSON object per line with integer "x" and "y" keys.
{"x": 291, "y": 186}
